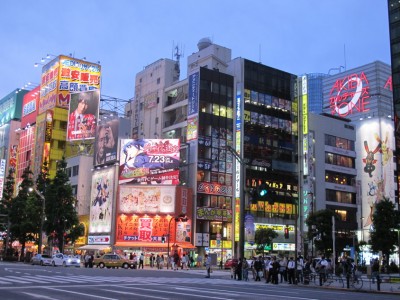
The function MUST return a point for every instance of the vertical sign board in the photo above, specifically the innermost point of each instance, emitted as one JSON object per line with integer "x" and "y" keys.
{"x": 2, "y": 173}
{"x": 193, "y": 107}
{"x": 238, "y": 186}
{"x": 305, "y": 123}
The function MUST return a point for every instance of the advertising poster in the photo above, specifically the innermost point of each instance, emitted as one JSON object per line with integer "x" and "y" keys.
{"x": 143, "y": 199}
{"x": 48, "y": 86}
{"x": 76, "y": 76}
{"x": 149, "y": 161}
{"x": 106, "y": 142}
{"x": 101, "y": 201}
{"x": 83, "y": 115}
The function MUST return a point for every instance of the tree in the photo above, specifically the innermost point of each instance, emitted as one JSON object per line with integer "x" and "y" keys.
{"x": 5, "y": 205}
{"x": 62, "y": 222}
{"x": 385, "y": 219}
{"x": 263, "y": 237}
{"x": 322, "y": 220}
{"x": 24, "y": 212}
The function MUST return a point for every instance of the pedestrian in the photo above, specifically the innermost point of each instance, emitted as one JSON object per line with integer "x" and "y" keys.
{"x": 87, "y": 258}
{"x": 299, "y": 269}
{"x": 275, "y": 271}
{"x": 162, "y": 261}
{"x": 291, "y": 271}
{"x": 245, "y": 269}
{"x": 239, "y": 269}
{"x": 141, "y": 261}
{"x": 375, "y": 270}
{"x": 152, "y": 260}
{"x": 185, "y": 262}
{"x": 158, "y": 258}
{"x": 321, "y": 269}
{"x": 199, "y": 261}
{"x": 208, "y": 265}
{"x": 283, "y": 269}
{"x": 176, "y": 260}
{"x": 258, "y": 267}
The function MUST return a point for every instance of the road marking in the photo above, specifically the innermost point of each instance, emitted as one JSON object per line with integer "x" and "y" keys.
{"x": 39, "y": 296}
{"x": 136, "y": 294}
{"x": 77, "y": 293}
{"x": 174, "y": 293}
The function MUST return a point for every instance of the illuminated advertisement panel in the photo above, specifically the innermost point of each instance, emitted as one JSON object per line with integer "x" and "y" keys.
{"x": 29, "y": 107}
{"x": 101, "y": 201}
{"x": 48, "y": 86}
{"x": 106, "y": 146}
{"x": 76, "y": 76}
{"x": 146, "y": 199}
{"x": 192, "y": 128}
{"x": 83, "y": 114}
{"x": 149, "y": 161}
{"x": 65, "y": 75}
{"x": 193, "y": 97}
{"x": 144, "y": 228}
{"x": 238, "y": 132}
{"x": 374, "y": 165}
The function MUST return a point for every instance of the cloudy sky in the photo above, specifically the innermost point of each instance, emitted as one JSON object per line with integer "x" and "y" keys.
{"x": 297, "y": 36}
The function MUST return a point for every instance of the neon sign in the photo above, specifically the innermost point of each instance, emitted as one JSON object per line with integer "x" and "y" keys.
{"x": 388, "y": 84}
{"x": 349, "y": 95}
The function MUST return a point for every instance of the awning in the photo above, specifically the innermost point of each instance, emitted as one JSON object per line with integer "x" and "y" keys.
{"x": 94, "y": 247}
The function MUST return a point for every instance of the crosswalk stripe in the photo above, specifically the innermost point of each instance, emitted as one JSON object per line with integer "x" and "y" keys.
{"x": 60, "y": 279}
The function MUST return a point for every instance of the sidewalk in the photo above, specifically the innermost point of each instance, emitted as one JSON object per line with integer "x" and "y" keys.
{"x": 389, "y": 285}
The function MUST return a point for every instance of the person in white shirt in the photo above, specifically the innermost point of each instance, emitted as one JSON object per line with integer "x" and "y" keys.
{"x": 291, "y": 268}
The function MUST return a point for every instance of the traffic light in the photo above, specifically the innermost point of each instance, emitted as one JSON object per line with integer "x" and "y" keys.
{"x": 286, "y": 231}
{"x": 262, "y": 191}
{"x": 163, "y": 239}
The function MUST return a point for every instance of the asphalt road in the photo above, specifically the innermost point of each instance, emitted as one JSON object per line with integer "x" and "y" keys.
{"x": 23, "y": 281}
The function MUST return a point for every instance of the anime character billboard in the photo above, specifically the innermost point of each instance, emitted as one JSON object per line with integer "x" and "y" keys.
{"x": 102, "y": 196}
{"x": 149, "y": 161}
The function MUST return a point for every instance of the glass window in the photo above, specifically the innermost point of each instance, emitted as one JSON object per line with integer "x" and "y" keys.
{"x": 75, "y": 170}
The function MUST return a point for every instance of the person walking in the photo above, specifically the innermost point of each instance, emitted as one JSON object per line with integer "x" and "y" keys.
{"x": 208, "y": 265}
{"x": 141, "y": 261}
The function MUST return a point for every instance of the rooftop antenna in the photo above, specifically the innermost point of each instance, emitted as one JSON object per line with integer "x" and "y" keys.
{"x": 344, "y": 52}
{"x": 259, "y": 53}
{"x": 177, "y": 54}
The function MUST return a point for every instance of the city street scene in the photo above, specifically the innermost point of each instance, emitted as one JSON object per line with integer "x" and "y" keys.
{"x": 216, "y": 149}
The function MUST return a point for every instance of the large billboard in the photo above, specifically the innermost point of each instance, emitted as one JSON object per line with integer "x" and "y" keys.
{"x": 106, "y": 145}
{"x": 101, "y": 201}
{"x": 146, "y": 199}
{"x": 149, "y": 161}
{"x": 83, "y": 115}
{"x": 375, "y": 166}
{"x": 63, "y": 76}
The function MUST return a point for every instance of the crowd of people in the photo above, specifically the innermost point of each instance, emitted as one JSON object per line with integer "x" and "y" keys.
{"x": 279, "y": 269}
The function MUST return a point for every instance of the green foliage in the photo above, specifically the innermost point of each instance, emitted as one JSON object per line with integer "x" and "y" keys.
{"x": 24, "y": 212}
{"x": 264, "y": 236}
{"x": 385, "y": 220}
{"x": 322, "y": 235}
{"x": 62, "y": 222}
{"x": 7, "y": 197}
